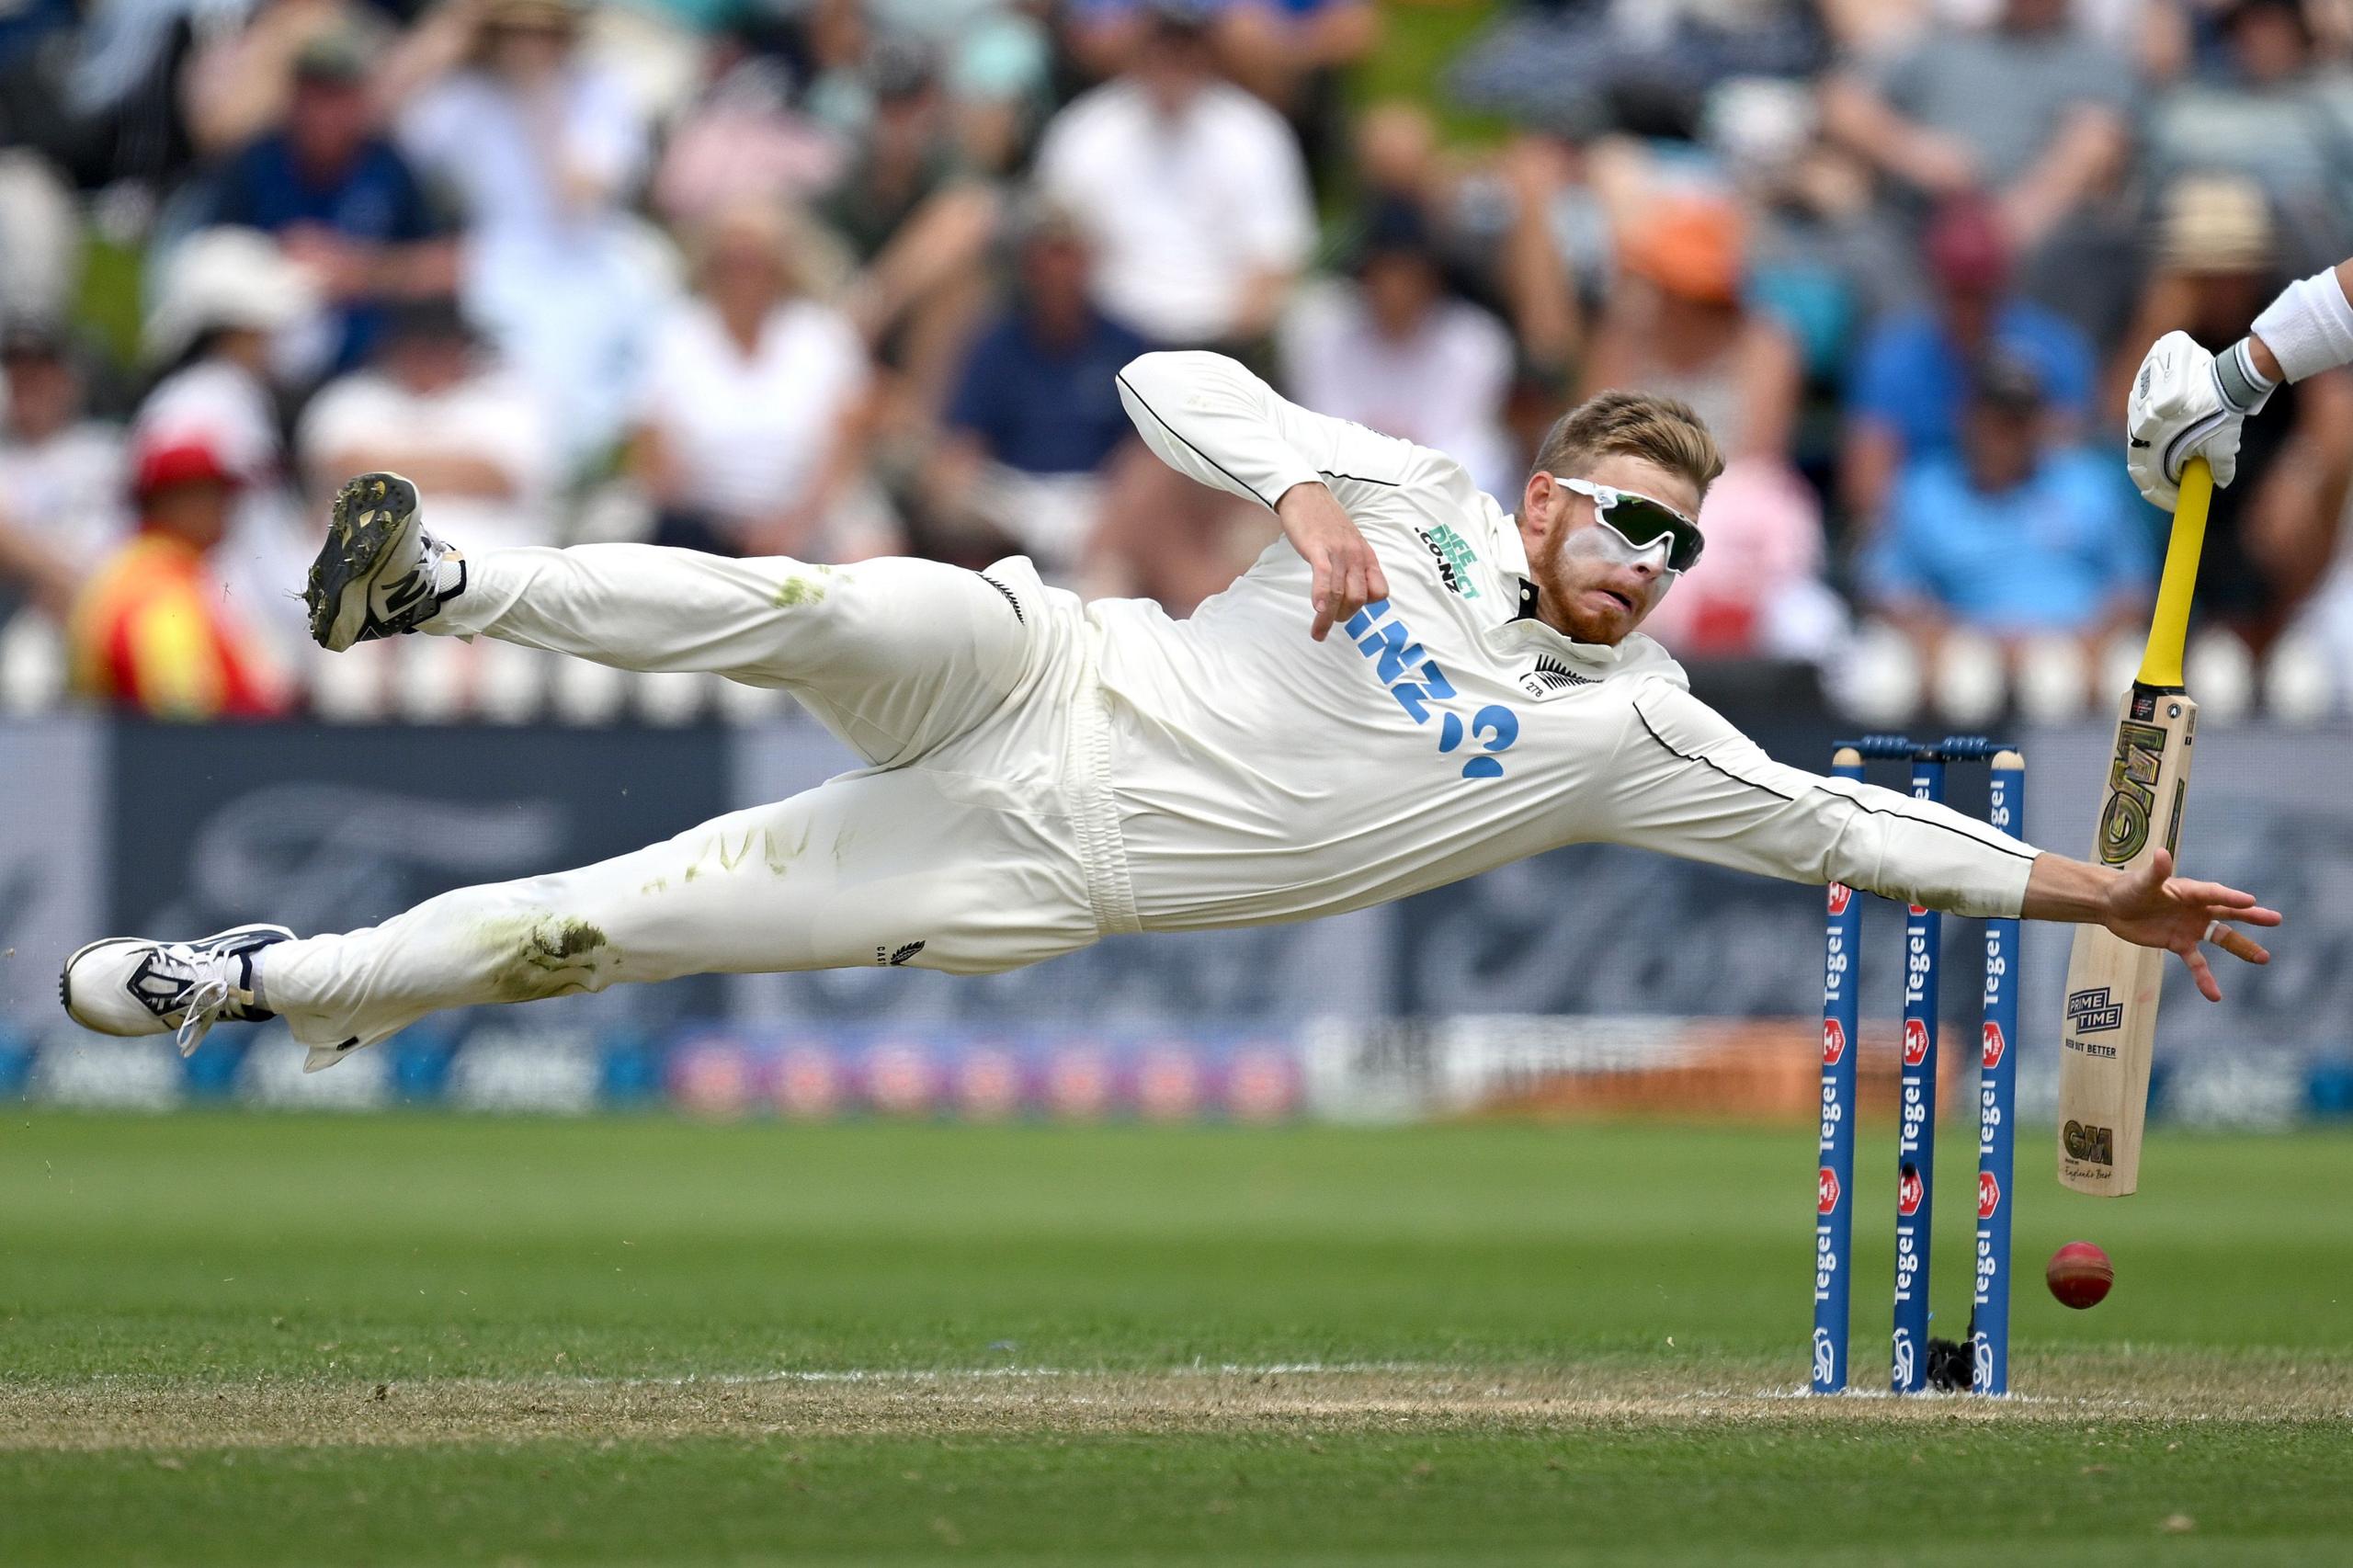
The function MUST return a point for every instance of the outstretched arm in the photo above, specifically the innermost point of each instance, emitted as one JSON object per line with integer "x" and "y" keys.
{"x": 2152, "y": 908}
{"x": 1686, "y": 782}
{"x": 1213, "y": 421}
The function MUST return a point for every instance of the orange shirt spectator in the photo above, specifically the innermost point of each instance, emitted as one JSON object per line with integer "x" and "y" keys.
{"x": 150, "y": 629}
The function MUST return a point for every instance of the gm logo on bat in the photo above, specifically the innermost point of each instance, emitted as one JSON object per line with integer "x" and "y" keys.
{"x": 2096, "y": 1144}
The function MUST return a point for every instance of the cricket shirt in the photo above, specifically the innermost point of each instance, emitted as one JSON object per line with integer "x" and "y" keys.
{"x": 1258, "y": 776}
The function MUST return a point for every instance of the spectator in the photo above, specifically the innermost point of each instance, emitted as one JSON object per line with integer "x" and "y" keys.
{"x": 229, "y": 298}
{"x": 2010, "y": 536}
{"x": 2269, "y": 534}
{"x": 1393, "y": 350}
{"x": 1036, "y": 420}
{"x": 996, "y": 57}
{"x": 2030, "y": 112}
{"x": 1192, "y": 191}
{"x": 543, "y": 150}
{"x": 1825, "y": 258}
{"x": 2265, "y": 116}
{"x": 154, "y": 629}
{"x": 917, "y": 225}
{"x": 239, "y": 81}
{"x": 1576, "y": 68}
{"x": 1289, "y": 52}
{"x": 1910, "y": 383}
{"x": 436, "y": 409}
{"x": 340, "y": 199}
{"x": 743, "y": 138}
{"x": 750, "y": 431}
{"x": 1678, "y": 328}
{"x": 61, "y": 472}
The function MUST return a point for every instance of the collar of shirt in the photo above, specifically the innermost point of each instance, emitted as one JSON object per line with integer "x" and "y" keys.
{"x": 1524, "y": 631}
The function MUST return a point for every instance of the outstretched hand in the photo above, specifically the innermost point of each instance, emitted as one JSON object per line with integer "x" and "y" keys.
{"x": 1347, "y": 575}
{"x": 2154, "y": 908}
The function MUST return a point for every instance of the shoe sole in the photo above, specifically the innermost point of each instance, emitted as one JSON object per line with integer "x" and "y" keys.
{"x": 65, "y": 975}
{"x": 373, "y": 516}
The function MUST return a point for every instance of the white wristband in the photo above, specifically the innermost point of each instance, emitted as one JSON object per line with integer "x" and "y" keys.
{"x": 2309, "y": 328}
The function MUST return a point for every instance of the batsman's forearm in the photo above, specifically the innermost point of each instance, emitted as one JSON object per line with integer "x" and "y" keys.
{"x": 2060, "y": 888}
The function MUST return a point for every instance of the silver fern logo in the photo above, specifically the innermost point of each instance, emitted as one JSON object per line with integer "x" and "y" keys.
{"x": 1550, "y": 677}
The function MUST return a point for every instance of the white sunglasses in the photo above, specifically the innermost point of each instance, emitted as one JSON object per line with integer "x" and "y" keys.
{"x": 1642, "y": 520}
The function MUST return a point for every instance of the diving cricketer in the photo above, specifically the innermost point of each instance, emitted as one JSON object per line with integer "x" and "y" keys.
{"x": 1410, "y": 687}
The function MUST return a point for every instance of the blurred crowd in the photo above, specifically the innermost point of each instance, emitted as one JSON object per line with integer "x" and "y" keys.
{"x": 840, "y": 277}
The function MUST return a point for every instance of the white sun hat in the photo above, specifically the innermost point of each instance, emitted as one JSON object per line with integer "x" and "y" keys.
{"x": 224, "y": 278}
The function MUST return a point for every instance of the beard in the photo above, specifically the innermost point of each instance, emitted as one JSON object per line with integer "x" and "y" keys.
{"x": 1585, "y": 581}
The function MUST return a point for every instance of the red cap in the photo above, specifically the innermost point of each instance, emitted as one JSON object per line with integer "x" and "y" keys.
{"x": 1966, "y": 247}
{"x": 179, "y": 459}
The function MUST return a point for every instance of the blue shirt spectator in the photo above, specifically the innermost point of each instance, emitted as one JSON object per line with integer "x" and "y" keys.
{"x": 1912, "y": 377}
{"x": 341, "y": 199}
{"x": 1046, "y": 405}
{"x": 1910, "y": 381}
{"x": 2053, "y": 553}
{"x": 1035, "y": 437}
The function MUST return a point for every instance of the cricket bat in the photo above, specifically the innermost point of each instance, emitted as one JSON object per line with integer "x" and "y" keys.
{"x": 2110, "y": 1024}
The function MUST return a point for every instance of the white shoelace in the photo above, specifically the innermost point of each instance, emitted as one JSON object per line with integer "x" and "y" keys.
{"x": 202, "y": 1009}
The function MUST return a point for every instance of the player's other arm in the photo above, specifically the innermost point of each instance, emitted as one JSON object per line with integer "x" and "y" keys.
{"x": 2187, "y": 403}
{"x": 1213, "y": 421}
{"x": 1686, "y": 782}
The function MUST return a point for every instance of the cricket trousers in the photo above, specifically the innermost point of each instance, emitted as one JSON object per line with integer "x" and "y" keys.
{"x": 980, "y": 837}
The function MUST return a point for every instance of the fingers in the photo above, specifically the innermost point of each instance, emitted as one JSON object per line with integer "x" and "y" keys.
{"x": 2214, "y": 894}
{"x": 2239, "y": 946}
{"x": 1356, "y": 594}
{"x": 2203, "y": 973}
{"x": 1345, "y": 580}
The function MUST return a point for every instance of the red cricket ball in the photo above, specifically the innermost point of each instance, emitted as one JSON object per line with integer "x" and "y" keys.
{"x": 2079, "y": 1275}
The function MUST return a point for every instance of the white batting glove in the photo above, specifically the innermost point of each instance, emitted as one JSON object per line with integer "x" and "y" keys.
{"x": 2187, "y": 403}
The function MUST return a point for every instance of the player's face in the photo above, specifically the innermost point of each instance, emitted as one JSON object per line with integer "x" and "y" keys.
{"x": 1595, "y": 587}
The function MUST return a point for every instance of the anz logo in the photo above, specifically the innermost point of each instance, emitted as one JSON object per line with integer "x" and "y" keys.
{"x": 1414, "y": 678}
{"x": 1551, "y": 677}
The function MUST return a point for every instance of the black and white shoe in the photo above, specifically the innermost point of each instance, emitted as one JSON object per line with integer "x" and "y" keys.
{"x": 128, "y": 985}
{"x": 379, "y": 573}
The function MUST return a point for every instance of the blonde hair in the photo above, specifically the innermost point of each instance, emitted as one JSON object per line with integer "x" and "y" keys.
{"x": 810, "y": 263}
{"x": 1661, "y": 430}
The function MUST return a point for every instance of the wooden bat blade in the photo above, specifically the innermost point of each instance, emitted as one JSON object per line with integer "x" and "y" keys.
{"x": 2108, "y": 1029}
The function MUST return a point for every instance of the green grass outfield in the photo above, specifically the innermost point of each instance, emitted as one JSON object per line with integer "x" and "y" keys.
{"x": 256, "y": 1339}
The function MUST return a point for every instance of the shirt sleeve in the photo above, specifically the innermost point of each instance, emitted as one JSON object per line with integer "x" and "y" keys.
{"x": 1213, "y": 421}
{"x": 1687, "y": 783}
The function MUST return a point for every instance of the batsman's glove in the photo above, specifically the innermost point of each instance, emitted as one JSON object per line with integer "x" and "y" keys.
{"x": 2187, "y": 403}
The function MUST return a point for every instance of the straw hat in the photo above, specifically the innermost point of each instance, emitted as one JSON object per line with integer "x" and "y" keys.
{"x": 2215, "y": 223}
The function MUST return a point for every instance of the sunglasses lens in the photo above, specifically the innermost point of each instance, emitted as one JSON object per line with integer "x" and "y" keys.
{"x": 1643, "y": 523}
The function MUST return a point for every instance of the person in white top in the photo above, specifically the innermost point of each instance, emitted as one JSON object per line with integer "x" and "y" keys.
{"x": 437, "y": 402}
{"x": 751, "y": 425}
{"x": 1392, "y": 349}
{"x": 1043, "y": 772}
{"x": 62, "y": 506}
{"x": 1193, "y": 192}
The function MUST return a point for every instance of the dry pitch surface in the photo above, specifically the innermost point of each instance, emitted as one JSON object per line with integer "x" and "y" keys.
{"x": 1031, "y": 1402}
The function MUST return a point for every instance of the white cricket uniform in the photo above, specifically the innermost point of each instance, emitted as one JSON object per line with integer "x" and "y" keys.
{"x": 1044, "y": 773}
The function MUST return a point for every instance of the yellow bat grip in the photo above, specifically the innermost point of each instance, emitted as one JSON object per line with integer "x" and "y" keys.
{"x": 2169, "y": 630}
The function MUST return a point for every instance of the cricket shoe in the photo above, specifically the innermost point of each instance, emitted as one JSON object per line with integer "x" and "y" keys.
{"x": 127, "y": 986}
{"x": 379, "y": 573}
